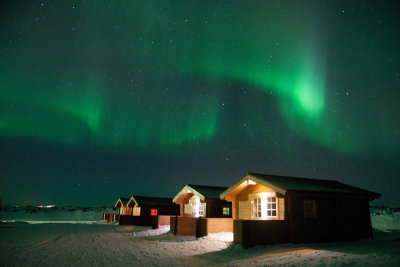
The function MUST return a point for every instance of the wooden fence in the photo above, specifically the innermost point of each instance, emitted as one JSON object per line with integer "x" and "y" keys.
{"x": 260, "y": 232}
{"x": 189, "y": 226}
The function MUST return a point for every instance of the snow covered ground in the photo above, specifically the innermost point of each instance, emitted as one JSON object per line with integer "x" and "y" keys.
{"x": 98, "y": 244}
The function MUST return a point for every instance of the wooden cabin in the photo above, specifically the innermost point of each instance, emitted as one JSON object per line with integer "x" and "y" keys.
{"x": 143, "y": 210}
{"x": 122, "y": 205}
{"x": 270, "y": 209}
{"x": 202, "y": 211}
{"x": 203, "y": 201}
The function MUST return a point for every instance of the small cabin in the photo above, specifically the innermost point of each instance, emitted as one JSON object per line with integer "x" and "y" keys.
{"x": 201, "y": 211}
{"x": 144, "y": 210}
{"x": 270, "y": 209}
{"x": 203, "y": 201}
{"x": 122, "y": 205}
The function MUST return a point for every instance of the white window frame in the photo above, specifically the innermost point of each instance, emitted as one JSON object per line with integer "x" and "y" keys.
{"x": 272, "y": 206}
{"x": 257, "y": 207}
{"x": 264, "y": 206}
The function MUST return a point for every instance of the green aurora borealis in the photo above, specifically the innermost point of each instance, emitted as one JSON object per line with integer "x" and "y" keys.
{"x": 304, "y": 84}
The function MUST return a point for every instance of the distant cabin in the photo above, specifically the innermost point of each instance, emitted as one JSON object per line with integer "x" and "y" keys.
{"x": 144, "y": 210}
{"x": 122, "y": 205}
{"x": 270, "y": 209}
{"x": 152, "y": 206}
{"x": 201, "y": 211}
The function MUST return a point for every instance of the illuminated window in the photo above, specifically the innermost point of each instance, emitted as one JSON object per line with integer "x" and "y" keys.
{"x": 310, "y": 209}
{"x": 128, "y": 211}
{"x": 225, "y": 210}
{"x": 197, "y": 208}
{"x": 201, "y": 209}
{"x": 153, "y": 212}
{"x": 271, "y": 207}
{"x": 136, "y": 211}
{"x": 257, "y": 207}
{"x": 122, "y": 210}
{"x": 264, "y": 207}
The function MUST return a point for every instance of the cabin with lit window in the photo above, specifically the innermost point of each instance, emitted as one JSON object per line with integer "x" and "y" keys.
{"x": 202, "y": 211}
{"x": 202, "y": 201}
{"x": 268, "y": 209}
{"x": 122, "y": 206}
{"x": 143, "y": 210}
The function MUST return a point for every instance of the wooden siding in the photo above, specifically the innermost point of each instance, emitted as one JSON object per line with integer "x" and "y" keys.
{"x": 145, "y": 210}
{"x": 244, "y": 209}
{"x": 281, "y": 208}
{"x": 217, "y": 225}
{"x": 338, "y": 218}
{"x": 185, "y": 226}
{"x": 207, "y": 226}
{"x": 190, "y": 226}
{"x": 214, "y": 208}
{"x": 138, "y": 220}
{"x": 249, "y": 233}
{"x": 164, "y": 220}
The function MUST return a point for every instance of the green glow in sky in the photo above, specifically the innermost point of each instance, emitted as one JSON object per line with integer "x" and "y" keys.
{"x": 153, "y": 75}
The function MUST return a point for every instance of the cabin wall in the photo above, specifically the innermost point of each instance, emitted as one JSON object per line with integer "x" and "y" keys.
{"x": 145, "y": 210}
{"x": 138, "y": 220}
{"x": 338, "y": 218}
{"x": 214, "y": 208}
{"x": 353, "y": 218}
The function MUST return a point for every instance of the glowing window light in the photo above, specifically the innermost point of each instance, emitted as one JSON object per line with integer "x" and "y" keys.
{"x": 136, "y": 211}
{"x": 264, "y": 206}
{"x": 153, "y": 212}
{"x": 197, "y": 207}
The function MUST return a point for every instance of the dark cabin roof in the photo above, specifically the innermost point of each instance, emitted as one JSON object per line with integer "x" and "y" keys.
{"x": 208, "y": 191}
{"x": 315, "y": 185}
{"x": 156, "y": 201}
{"x": 124, "y": 200}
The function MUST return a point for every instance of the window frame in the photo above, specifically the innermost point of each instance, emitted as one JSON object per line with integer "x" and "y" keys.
{"x": 257, "y": 207}
{"x": 226, "y": 211}
{"x": 153, "y": 212}
{"x": 263, "y": 207}
{"x": 310, "y": 208}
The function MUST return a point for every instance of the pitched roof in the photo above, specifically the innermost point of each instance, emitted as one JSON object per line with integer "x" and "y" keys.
{"x": 123, "y": 200}
{"x": 208, "y": 191}
{"x": 202, "y": 191}
{"x": 157, "y": 201}
{"x": 282, "y": 184}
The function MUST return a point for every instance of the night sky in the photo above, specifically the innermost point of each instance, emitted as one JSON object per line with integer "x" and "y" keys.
{"x": 102, "y": 99}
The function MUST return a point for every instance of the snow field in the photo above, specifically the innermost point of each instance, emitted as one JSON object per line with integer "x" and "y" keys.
{"x": 40, "y": 243}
